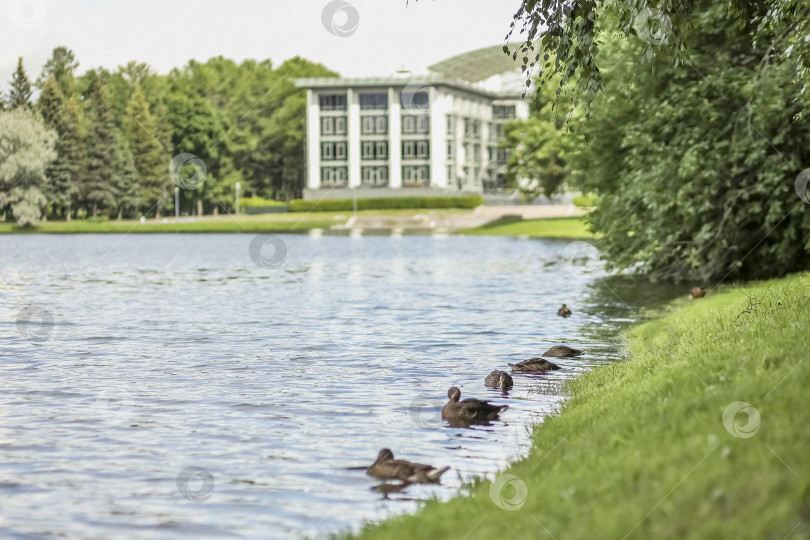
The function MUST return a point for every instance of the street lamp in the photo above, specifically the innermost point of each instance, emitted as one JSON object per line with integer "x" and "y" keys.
{"x": 176, "y": 202}
{"x": 238, "y": 187}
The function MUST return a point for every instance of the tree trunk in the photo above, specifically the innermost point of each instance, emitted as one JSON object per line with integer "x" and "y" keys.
{"x": 95, "y": 209}
{"x": 216, "y": 210}
{"x": 199, "y": 207}
{"x": 67, "y": 213}
{"x": 120, "y": 213}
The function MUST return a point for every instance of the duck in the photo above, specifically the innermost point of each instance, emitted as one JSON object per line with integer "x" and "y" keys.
{"x": 534, "y": 365}
{"x": 564, "y": 311}
{"x": 500, "y": 379}
{"x": 385, "y": 467}
{"x": 698, "y": 292}
{"x": 470, "y": 409}
{"x": 562, "y": 351}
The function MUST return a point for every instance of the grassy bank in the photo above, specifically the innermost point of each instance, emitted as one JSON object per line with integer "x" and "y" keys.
{"x": 534, "y": 228}
{"x": 651, "y": 448}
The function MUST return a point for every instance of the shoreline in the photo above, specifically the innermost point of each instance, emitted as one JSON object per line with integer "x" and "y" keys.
{"x": 490, "y": 222}
{"x": 698, "y": 434}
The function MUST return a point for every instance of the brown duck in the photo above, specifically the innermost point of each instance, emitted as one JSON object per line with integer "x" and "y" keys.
{"x": 499, "y": 379}
{"x": 698, "y": 292}
{"x": 562, "y": 351}
{"x": 534, "y": 365}
{"x": 564, "y": 311}
{"x": 385, "y": 467}
{"x": 470, "y": 409}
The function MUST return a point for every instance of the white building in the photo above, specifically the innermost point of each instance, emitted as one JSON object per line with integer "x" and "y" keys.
{"x": 406, "y": 135}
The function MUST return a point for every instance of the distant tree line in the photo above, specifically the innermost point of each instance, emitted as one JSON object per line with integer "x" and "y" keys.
{"x": 101, "y": 143}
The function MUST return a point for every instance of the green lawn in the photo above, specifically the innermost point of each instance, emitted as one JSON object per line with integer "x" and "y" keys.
{"x": 554, "y": 227}
{"x": 651, "y": 448}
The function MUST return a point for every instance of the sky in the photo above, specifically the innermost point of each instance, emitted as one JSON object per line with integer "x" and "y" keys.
{"x": 353, "y": 37}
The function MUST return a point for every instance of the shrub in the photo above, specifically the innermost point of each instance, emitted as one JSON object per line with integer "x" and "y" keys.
{"x": 385, "y": 203}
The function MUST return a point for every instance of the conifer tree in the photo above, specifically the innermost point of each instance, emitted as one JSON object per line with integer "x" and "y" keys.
{"x": 62, "y": 174}
{"x": 101, "y": 154}
{"x": 151, "y": 163}
{"x": 20, "y": 93}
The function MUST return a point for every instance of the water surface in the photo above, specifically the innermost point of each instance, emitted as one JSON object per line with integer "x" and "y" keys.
{"x": 177, "y": 356}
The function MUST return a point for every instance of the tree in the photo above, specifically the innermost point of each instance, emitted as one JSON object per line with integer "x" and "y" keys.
{"x": 100, "y": 188}
{"x": 695, "y": 168}
{"x": 20, "y": 93}
{"x": 539, "y": 149}
{"x": 63, "y": 173}
{"x": 562, "y": 39}
{"x": 26, "y": 149}
{"x": 151, "y": 163}
{"x": 61, "y": 66}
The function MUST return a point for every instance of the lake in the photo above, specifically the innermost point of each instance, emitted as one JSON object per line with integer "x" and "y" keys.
{"x": 159, "y": 386}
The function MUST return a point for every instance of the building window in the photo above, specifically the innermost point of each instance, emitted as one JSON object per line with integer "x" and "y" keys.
{"x": 503, "y": 112}
{"x": 415, "y": 149}
{"x": 450, "y": 174}
{"x": 415, "y": 100}
{"x": 374, "y": 149}
{"x": 476, "y": 127}
{"x": 415, "y": 176}
{"x": 376, "y": 176}
{"x": 477, "y": 152}
{"x": 332, "y": 102}
{"x": 415, "y": 124}
{"x": 333, "y": 151}
{"x": 451, "y": 151}
{"x": 451, "y": 124}
{"x": 334, "y": 176}
{"x": 495, "y": 131}
{"x": 374, "y": 101}
{"x": 467, "y": 127}
{"x": 333, "y": 125}
{"x": 374, "y": 125}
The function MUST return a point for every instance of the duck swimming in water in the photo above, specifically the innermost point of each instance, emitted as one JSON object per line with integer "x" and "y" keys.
{"x": 385, "y": 467}
{"x": 499, "y": 379}
{"x": 561, "y": 351}
{"x": 470, "y": 409}
{"x": 534, "y": 365}
{"x": 564, "y": 311}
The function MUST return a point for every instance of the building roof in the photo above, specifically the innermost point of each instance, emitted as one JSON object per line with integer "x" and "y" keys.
{"x": 403, "y": 81}
{"x": 477, "y": 65}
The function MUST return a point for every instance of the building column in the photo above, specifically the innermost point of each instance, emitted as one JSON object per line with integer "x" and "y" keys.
{"x": 354, "y": 138}
{"x": 312, "y": 148}
{"x": 394, "y": 140}
{"x": 438, "y": 136}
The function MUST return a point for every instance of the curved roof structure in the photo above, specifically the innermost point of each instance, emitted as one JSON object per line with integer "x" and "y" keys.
{"x": 477, "y": 65}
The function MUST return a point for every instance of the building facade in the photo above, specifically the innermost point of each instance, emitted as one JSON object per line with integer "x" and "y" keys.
{"x": 404, "y": 135}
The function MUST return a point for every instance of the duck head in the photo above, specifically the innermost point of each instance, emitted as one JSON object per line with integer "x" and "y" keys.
{"x": 384, "y": 455}
{"x": 454, "y": 394}
{"x": 504, "y": 381}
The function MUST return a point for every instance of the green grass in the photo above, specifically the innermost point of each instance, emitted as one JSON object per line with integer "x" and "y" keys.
{"x": 242, "y": 224}
{"x": 553, "y": 227}
{"x": 285, "y": 222}
{"x": 640, "y": 449}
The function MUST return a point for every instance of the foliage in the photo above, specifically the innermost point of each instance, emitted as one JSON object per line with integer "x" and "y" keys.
{"x": 26, "y": 149}
{"x": 645, "y": 448}
{"x": 62, "y": 174}
{"x": 585, "y": 201}
{"x": 152, "y": 163}
{"x": 539, "y": 150}
{"x": 102, "y": 141}
{"x": 562, "y": 41}
{"x": 61, "y": 66}
{"x": 20, "y": 93}
{"x": 333, "y": 205}
{"x": 695, "y": 166}
{"x": 246, "y": 202}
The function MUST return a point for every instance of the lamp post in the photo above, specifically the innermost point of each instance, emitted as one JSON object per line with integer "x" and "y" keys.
{"x": 238, "y": 187}
{"x": 176, "y": 202}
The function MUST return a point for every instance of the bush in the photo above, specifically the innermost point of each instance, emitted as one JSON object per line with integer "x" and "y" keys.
{"x": 385, "y": 203}
{"x": 248, "y": 202}
{"x": 585, "y": 201}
